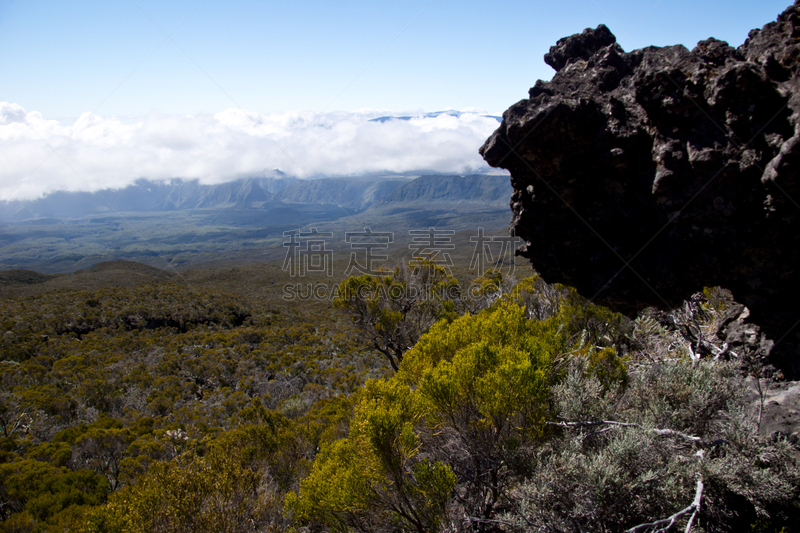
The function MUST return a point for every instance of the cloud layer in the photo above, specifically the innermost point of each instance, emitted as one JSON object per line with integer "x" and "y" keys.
{"x": 107, "y": 152}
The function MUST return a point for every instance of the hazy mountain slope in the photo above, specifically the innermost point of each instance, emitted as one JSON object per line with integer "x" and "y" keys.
{"x": 273, "y": 184}
{"x": 145, "y": 196}
{"x": 60, "y": 204}
{"x": 240, "y": 193}
{"x": 353, "y": 193}
{"x": 451, "y": 190}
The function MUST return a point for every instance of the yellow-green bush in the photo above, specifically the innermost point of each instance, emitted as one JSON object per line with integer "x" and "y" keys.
{"x": 478, "y": 387}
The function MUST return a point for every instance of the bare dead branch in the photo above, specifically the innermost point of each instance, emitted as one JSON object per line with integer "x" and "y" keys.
{"x": 491, "y": 521}
{"x": 597, "y": 433}
{"x": 590, "y": 423}
{"x": 678, "y": 434}
{"x": 668, "y": 522}
{"x": 760, "y": 399}
{"x": 657, "y": 431}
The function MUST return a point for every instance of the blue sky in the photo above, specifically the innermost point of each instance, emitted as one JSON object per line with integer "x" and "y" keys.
{"x": 97, "y": 94}
{"x": 64, "y": 58}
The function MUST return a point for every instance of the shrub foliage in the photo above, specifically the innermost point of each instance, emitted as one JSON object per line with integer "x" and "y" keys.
{"x": 508, "y": 407}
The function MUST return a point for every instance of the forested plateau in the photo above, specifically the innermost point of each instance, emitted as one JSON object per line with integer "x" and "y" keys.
{"x": 206, "y": 402}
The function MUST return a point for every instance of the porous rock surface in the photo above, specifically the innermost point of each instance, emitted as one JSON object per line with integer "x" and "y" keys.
{"x": 780, "y": 413}
{"x": 641, "y": 177}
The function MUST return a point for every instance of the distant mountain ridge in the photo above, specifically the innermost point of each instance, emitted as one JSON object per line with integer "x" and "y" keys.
{"x": 241, "y": 193}
{"x": 352, "y": 195}
{"x": 434, "y": 114}
{"x": 148, "y": 196}
{"x": 478, "y": 188}
{"x": 182, "y": 223}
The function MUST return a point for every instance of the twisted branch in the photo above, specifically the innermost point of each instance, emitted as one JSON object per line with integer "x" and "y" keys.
{"x": 657, "y": 431}
{"x": 694, "y": 508}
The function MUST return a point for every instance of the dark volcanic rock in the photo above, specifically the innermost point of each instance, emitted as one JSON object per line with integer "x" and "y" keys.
{"x": 641, "y": 177}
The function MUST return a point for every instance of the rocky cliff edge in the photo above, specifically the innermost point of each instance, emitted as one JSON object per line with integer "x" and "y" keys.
{"x": 640, "y": 177}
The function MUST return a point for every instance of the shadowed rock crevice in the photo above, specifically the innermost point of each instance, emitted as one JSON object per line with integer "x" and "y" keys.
{"x": 682, "y": 165}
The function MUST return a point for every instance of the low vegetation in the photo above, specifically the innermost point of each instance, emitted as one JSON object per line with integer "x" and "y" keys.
{"x": 507, "y": 407}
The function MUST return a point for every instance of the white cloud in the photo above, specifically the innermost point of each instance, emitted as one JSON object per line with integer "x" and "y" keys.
{"x": 101, "y": 152}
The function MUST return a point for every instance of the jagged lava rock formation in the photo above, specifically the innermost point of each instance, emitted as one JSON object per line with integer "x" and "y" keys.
{"x": 641, "y": 177}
